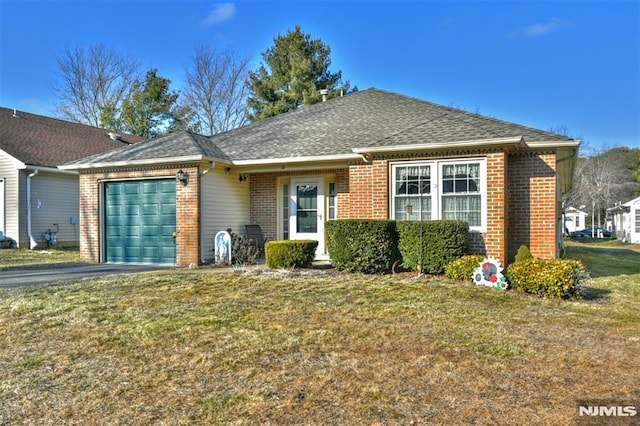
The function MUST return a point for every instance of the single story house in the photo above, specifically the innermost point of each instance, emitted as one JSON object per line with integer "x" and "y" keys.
{"x": 39, "y": 201}
{"x": 369, "y": 154}
{"x": 626, "y": 221}
{"x": 574, "y": 220}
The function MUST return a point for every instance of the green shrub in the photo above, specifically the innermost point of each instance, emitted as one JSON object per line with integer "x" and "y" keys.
{"x": 551, "y": 278}
{"x": 288, "y": 253}
{"x": 462, "y": 268}
{"x": 523, "y": 254}
{"x": 443, "y": 241}
{"x": 362, "y": 245}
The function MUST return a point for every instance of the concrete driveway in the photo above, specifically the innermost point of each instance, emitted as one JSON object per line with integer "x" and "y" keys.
{"x": 51, "y": 274}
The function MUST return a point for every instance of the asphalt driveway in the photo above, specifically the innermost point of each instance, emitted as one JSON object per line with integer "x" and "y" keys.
{"x": 51, "y": 274}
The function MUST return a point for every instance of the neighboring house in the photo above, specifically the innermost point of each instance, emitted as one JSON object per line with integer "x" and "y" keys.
{"x": 626, "y": 221}
{"x": 574, "y": 220}
{"x": 36, "y": 198}
{"x": 369, "y": 154}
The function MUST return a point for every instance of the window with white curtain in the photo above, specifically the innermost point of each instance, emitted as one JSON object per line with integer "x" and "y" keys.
{"x": 440, "y": 190}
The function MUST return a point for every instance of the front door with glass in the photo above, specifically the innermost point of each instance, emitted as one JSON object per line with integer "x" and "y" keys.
{"x": 307, "y": 211}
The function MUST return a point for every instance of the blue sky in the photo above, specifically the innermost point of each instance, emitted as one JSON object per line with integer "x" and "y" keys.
{"x": 544, "y": 64}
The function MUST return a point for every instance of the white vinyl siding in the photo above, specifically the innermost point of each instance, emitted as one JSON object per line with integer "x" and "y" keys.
{"x": 446, "y": 189}
{"x": 11, "y": 212}
{"x": 55, "y": 199}
{"x": 225, "y": 204}
{"x": 2, "y": 221}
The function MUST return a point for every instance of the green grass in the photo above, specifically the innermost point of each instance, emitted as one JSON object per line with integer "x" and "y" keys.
{"x": 21, "y": 258}
{"x": 204, "y": 347}
{"x": 606, "y": 258}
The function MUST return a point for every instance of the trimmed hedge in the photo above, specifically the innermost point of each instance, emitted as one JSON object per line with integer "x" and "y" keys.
{"x": 462, "y": 268}
{"x": 288, "y": 253}
{"x": 443, "y": 241}
{"x": 551, "y": 278}
{"x": 362, "y": 245}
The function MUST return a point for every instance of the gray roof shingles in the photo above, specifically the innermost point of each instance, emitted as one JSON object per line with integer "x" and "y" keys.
{"x": 48, "y": 142}
{"x": 366, "y": 119}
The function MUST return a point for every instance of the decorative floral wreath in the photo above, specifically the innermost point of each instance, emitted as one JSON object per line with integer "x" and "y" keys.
{"x": 489, "y": 273}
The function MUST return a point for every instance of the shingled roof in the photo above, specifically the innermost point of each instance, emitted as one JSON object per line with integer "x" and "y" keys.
{"x": 179, "y": 146}
{"x": 48, "y": 142}
{"x": 370, "y": 118}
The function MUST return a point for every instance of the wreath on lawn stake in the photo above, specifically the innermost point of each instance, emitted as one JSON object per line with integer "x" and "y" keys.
{"x": 489, "y": 273}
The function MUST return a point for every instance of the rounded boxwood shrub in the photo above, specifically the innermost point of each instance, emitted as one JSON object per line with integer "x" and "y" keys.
{"x": 289, "y": 253}
{"x": 443, "y": 241}
{"x": 523, "y": 254}
{"x": 551, "y": 278}
{"x": 369, "y": 246}
{"x": 462, "y": 268}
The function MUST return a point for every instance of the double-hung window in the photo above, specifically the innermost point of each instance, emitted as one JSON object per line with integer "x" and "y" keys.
{"x": 412, "y": 191}
{"x": 440, "y": 190}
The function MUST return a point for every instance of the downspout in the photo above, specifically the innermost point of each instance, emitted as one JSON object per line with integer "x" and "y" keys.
{"x": 32, "y": 241}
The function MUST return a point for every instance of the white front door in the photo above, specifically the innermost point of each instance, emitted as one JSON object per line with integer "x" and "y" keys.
{"x": 307, "y": 210}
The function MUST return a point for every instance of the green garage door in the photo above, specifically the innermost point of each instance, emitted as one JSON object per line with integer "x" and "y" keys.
{"x": 140, "y": 220}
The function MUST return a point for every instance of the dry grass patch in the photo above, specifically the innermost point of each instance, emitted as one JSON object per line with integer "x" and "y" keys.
{"x": 21, "y": 258}
{"x": 187, "y": 347}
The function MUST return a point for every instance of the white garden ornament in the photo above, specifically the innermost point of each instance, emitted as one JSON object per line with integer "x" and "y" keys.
{"x": 489, "y": 273}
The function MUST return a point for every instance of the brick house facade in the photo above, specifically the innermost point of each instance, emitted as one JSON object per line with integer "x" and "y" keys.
{"x": 370, "y": 154}
{"x": 525, "y": 212}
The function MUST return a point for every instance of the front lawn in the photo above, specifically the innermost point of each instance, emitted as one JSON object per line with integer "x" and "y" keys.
{"x": 205, "y": 347}
{"x": 22, "y": 258}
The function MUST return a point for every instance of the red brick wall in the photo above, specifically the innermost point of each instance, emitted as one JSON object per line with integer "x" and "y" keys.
{"x": 369, "y": 196}
{"x": 495, "y": 239}
{"x": 187, "y": 211}
{"x": 532, "y": 204}
{"x": 369, "y": 190}
{"x": 523, "y": 214}
{"x": 264, "y": 196}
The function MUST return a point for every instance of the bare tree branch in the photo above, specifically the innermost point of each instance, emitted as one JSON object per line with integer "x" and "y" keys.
{"x": 91, "y": 80}
{"x": 216, "y": 92}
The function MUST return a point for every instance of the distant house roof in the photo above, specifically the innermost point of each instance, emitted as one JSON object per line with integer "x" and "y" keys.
{"x": 48, "y": 142}
{"x": 370, "y": 119}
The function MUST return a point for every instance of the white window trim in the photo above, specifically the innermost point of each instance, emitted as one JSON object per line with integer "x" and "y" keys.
{"x": 436, "y": 195}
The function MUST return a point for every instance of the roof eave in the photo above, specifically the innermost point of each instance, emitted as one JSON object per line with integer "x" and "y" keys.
{"x": 517, "y": 141}
{"x": 298, "y": 160}
{"x": 145, "y": 162}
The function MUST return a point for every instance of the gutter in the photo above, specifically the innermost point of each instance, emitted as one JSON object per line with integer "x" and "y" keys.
{"x": 518, "y": 141}
{"x": 48, "y": 169}
{"x": 32, "y": 242}
{"x": 294, "y": 160}
{"x": 130, "y": 163}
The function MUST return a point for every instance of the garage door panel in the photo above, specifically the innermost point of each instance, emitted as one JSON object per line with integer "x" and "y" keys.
{"x": 114, "y": 232}
{"x": 150, "y": 252}
{"x": 150, "y": 209}
{"x": 132, "y": 231}
{"x": 168, "y": 210}
{"x": 150, "y": 230}
{"x": 140, "y": 221}
{"x": 131, "y": 188}
{"x": 131, "y": 210}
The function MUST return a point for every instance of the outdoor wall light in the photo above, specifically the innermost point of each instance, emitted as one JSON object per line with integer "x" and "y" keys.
{"x": 183, "y": 177}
